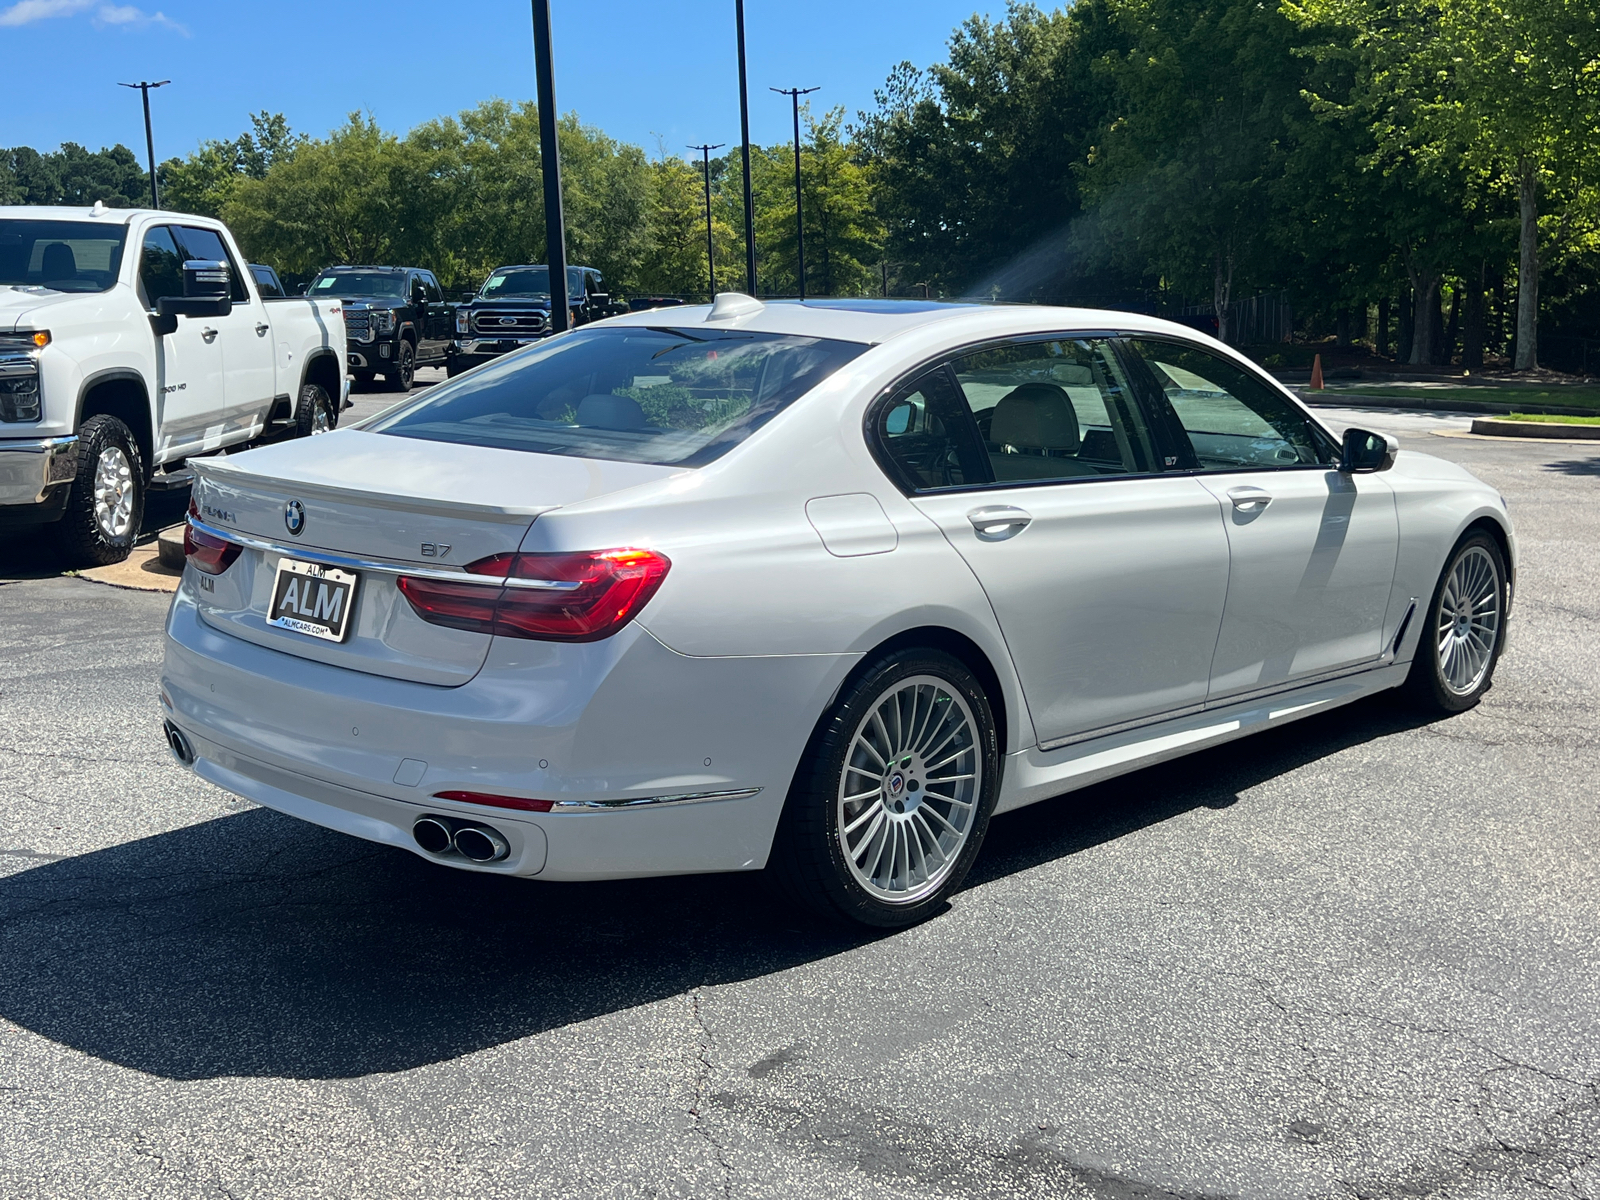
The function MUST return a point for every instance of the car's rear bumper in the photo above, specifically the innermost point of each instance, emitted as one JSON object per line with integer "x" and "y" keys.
{"x": 658, "y": 763}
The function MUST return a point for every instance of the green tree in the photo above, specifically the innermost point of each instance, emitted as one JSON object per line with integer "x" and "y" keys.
{"x": 203, "y": 183}
{"x": 1508, "y": 88}
{"x": 844, "y": 238}
{"x": 73, "y": 175}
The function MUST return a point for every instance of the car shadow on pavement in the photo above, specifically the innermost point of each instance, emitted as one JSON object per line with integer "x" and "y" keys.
{"x": 37, "y": 554}
{"x": 258, "y": 945}
{"x": 1576, "y": 466}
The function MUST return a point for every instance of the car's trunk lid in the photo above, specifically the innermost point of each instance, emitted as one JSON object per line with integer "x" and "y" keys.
{"x": 370, "y": 504}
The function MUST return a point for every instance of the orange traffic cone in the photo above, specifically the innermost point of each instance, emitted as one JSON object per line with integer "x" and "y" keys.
{"x": 1316, "y": 373}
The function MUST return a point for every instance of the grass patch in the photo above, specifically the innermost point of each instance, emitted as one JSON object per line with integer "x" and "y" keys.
{"x": 1549, "y": 419}
{"x": 1555, "y": 397}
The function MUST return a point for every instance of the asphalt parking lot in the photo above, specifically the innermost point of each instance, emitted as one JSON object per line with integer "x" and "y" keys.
{"x": 1355, "y": 957}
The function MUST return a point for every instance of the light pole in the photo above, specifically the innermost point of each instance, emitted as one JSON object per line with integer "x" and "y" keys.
{"x": 744, "y": 145}
{"x": 711, "y": 262}
{"x": 555, "y": 226}
{"x": 799, "y": 224}
{"x": 149, "y": 138}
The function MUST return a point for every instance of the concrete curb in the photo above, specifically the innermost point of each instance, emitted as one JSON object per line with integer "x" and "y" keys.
{"x": 1339, "y": 399}
{"x": 1545, "y": 430}
{"x": 169, "y": 547}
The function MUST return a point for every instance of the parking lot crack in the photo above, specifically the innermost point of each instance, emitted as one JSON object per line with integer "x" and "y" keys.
{"x": 702, "y": 1088}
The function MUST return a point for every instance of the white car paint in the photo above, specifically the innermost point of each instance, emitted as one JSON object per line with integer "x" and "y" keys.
{"x": 793, "y": 558}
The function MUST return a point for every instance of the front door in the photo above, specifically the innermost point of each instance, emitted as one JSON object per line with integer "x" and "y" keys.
{"x": 1107, "y": 579}
{"x": 1312, "y": 550}
{"x": 189, "y": 375}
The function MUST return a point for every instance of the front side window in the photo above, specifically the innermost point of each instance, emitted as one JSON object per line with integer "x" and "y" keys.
{"x": 64, "y": 256}
{"x": 1055, "y": 409}
{"x": 160, "y": 265}
{"x": 430, "y": 288}
{"x": 668, "y": 396}
{"x": 207, "y": 244}
{"x": 358, "y": 285}
{"x": 1232, "y": 420}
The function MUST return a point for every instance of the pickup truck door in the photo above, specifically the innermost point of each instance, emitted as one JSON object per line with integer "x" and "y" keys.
{"x": 245, "y": 335}
{"x": 189, "y": 375}
{"x": 434, "y": 324}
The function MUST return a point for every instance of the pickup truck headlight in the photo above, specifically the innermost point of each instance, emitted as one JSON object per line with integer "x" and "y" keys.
{"x": 19, "y": 377}
{"x": 382, "y": 320}
{"x": 462, "y": 321}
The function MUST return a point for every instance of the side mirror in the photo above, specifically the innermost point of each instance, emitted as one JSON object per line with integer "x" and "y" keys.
{"x": 1365, "y": 452}
{"x": 206, "y": 293}
{"x": 419, "y": 296}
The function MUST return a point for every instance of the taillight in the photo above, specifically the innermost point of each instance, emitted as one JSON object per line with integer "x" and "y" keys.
{"x": 547, "y": 597}
{"x": 211, "y": 555}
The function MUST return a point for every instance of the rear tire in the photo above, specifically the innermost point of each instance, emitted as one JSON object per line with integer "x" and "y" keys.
{"x": 405, "y": 368}
{"x": 106, "y": 506}
{"x": 891, "y": 802}
{"x": 315, "y": 414}
{"x": 1463, "y": 629}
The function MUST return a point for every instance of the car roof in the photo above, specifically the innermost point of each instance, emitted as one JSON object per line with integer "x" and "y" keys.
{"x": 356, "y": 267}
{"x": 543, "y": 266}
{"x": 877, "y": 321}
{"x": 110, "y": 216}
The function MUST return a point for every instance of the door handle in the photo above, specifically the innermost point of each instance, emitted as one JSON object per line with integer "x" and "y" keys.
{"x": 1249, "y": 499}
{"x": 209, "y": 334}
{"x": 998, "y": 523}
{"x": 261, "y": 330}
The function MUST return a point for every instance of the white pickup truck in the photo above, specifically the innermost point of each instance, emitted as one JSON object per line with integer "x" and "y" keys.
{"x": 131, "y": 340}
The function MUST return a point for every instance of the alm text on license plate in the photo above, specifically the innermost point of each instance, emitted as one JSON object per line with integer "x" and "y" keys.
{"x": 312, "y": 599}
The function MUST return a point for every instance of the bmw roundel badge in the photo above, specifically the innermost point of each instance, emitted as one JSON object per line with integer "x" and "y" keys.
{"x": 294, "y": 516}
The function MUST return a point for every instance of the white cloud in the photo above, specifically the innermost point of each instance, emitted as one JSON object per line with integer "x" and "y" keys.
{"x": 127, "y": 14}
{"x": 26, "y": 12}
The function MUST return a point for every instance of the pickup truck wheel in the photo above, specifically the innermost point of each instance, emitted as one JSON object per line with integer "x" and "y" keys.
{"x": 405, "y": 368}
{"x": 106, "y": 507}
{"x": 315, "y": 414}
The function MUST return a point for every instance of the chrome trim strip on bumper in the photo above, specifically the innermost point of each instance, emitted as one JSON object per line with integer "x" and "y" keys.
{"x": 644, "y": 801}
{"x": 29, "y": 468}
{"x": 331, "y": 559}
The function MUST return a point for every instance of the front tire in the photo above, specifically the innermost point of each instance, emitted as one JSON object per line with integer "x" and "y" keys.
{"x": 1463, "y": 629}
{"x": 315, "y": 414}
{"x": 106, "y": 507}
{"x": 890, "y": 806}
{"x": 405, "y": 368}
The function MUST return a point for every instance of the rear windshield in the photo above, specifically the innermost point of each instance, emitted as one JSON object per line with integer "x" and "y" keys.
{"x": 666, "y": 396}
{"x": 355, "y": 283}
{"x": 65, "y": 256}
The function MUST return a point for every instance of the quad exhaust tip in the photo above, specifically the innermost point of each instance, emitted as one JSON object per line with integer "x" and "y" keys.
{"x": 478, "y": 843}
{"x": 178, "y": 744}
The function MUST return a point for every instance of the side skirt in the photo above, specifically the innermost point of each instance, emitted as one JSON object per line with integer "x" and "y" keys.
{"x": 1033, "y": 775}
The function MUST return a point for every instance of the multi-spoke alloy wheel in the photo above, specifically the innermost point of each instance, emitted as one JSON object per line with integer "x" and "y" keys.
{"x": 113, "y": 492}
{"x": 1464, "y": 630}
{"x": 1469, "y": 620}
{"x": 909, "y": 789}
{"x": 890, "y": 804}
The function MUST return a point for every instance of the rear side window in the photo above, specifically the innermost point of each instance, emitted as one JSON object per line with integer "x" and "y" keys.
{"x": 1055, "y": 409}
{"x": 267, "y": 282}
{"x": 207, "y": 244}
{"x": 673, "y": 397}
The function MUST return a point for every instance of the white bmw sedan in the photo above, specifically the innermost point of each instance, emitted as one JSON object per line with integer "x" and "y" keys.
{"x": 817, "y": 586}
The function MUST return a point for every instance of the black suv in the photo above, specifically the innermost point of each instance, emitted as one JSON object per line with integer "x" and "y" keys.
{"x": 512, "y": 308}
{"x": 395, "y": 319}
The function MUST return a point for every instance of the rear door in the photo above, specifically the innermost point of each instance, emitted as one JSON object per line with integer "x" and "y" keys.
{"x": 245, "y": 336}
{"x": 435, "y": 327}
{"x": 1312, "y": 551}
{"x": 189, "y": 372}
{"x": 1107, "y": 578}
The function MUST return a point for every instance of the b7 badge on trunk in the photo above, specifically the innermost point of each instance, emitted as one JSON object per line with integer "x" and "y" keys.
{"x": 312, "y": 599}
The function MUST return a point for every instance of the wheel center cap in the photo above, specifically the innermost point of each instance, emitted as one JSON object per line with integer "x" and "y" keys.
{"x": 897, "y": 784}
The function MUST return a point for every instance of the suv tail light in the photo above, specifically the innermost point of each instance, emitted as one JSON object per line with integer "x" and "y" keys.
{"x": 547, "y": 597}
{"x": 211, "y": 555}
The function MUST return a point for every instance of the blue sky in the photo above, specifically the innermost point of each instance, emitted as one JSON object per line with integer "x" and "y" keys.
{"x": 641, "y": 71}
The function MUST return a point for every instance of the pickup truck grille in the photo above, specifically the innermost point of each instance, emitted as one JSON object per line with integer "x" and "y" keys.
{"x": 505, "y": 324}
{"x": 357, "y": 326}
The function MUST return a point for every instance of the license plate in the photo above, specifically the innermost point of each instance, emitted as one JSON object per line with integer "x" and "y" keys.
{"x": 312, "y": 599}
